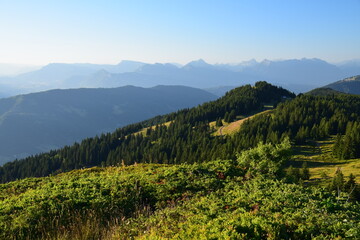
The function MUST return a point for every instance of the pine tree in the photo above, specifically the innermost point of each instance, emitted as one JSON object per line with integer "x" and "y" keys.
{"x": 226, "y": 117}
{"x": 338, "y": 181}
{"x": 304, "y": 172}
{"x": 352, "y": 188}
{"x": 351, "y": 183}
{"x": 292, "y": 174}
{"x": 219, "y": 122}
{"x": 232, "y": 116}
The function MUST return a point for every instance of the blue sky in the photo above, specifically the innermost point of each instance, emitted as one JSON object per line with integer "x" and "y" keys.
{"x": 40, "y": 32}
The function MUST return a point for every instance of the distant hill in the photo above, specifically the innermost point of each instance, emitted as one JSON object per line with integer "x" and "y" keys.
{"x": 39, "y": 122}
{"x": 350, "y": 68}
{"x": 219, "y": 91}
{"x": 347, "y": 85}
{"x": 323, "y": 92}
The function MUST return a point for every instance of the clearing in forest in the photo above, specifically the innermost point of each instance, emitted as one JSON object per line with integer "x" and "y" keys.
{"x": 321, "y": 162}
{"x": 233, "y": 127}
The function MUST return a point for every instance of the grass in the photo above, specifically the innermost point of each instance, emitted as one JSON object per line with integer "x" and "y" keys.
{"x": 321, "y": 162}
{"x": 143, "y": 131}
{"x": 226, "y": 129}
{"x": 233, "y": 127}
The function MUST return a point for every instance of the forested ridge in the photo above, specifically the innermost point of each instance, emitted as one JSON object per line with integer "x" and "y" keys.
{"x": 306, "y": 117}
{"x": 187, "y": 139}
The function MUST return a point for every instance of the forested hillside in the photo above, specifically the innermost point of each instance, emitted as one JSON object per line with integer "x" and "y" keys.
{"x": 323, "y": 92}
{"x": 348, "y": 85}
{"x": 39, "y": 122}
{"x": 188, "y": 138}
{"x": 308, "y": 117}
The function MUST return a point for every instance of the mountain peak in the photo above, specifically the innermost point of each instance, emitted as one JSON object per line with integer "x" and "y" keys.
{"x": 250, "y": 62}
{"x": 157, "y": 68}
{"x": 122, "y": 62}
{"x": 198, "y": 63}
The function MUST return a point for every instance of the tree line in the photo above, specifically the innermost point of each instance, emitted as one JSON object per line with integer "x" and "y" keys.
{"x": 187, "y": 139}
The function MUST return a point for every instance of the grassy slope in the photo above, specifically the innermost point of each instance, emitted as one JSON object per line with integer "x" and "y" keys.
{"x": 54, "y": 206}
{"x": 318, "y": 155}
{"x": 227, "y": 129}
{"x": 143, "y": 131}
{"x": 233, "y": 127}
{"x": 210, "y": 200}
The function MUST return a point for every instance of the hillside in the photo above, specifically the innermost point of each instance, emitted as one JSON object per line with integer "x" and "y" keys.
{"x": 40, "y": 122}
{"x": 347, "y": 85}
{"x": 185, "y": 181}
{"x": 187, "y": 139}
{"x": 240, "y": 199}
{"x": 323, "y": 92}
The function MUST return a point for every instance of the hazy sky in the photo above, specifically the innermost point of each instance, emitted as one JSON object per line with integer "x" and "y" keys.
{"x": 40, "y": 32}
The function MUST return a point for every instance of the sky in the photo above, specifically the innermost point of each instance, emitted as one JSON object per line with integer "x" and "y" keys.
{"x": 223, "y": 31}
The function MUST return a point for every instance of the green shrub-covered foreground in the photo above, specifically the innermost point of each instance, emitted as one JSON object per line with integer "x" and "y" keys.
{"x": 242, "y": 199}
{"x": 257, "y": 209}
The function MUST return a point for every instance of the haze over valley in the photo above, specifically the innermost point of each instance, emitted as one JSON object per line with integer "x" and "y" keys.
{"x": 40, "y": 122}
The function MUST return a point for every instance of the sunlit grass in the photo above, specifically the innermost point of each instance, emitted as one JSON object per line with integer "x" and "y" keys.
{"x": 321, "y": 162}
{"x": 233, "y": 127}
{"x": 143, "y": 131}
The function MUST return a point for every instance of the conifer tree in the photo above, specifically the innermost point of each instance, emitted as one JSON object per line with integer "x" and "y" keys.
{"x": 304, "y": 172}
{"x": 292, "y": 174}
{"x": 352, "y": 188}
{"x": 226, "y": 117}
{"x": 219, "y": 122}
{"x": 232, "y": 116}
{"x": 351, "y": 183}
{"x": 338, "y": 182}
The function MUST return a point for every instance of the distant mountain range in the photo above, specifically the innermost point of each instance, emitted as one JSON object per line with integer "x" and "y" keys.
{"x": 61, "y": 75}
{"x": 38, "y": 122}
{"x": 296, "y": 75}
